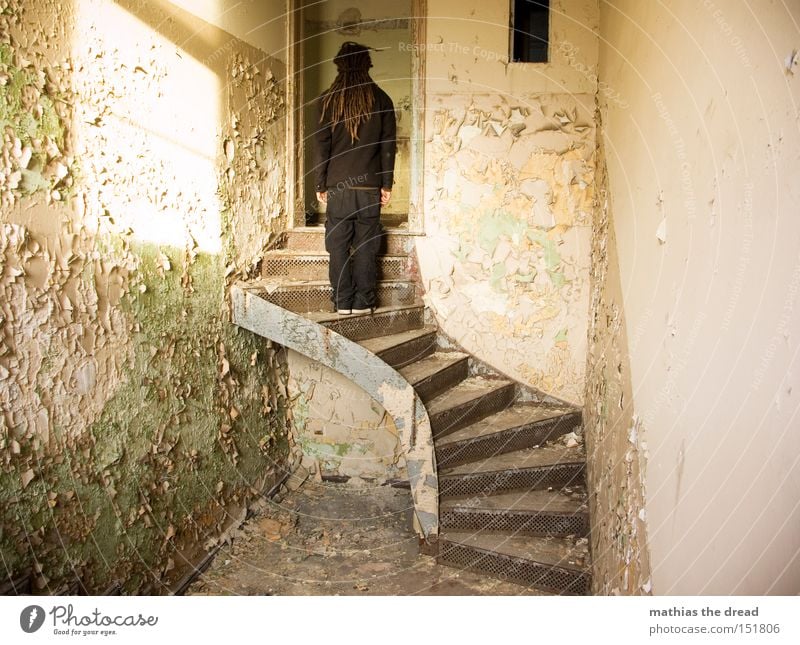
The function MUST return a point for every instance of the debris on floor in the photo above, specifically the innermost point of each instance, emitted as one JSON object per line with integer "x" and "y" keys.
{"x": 337, "y": 539}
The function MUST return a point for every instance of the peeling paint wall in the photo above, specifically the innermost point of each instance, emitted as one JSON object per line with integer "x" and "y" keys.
{"x": 616, "y": 449}
{"x": 138, "y": 423}
{"x": 363, "y": 368}
{"x": 339, "y": 427}
{"x": 253, "y": 189}
{"x": 701, "y": 145}
{"x": 509, "y": 175}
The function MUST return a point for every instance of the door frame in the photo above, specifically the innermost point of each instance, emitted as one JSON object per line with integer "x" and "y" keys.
{"x": 295, "y": 161}
{"x": 416, "y": 192}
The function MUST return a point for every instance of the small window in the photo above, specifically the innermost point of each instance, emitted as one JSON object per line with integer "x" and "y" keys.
{"x": 530, "y": 27}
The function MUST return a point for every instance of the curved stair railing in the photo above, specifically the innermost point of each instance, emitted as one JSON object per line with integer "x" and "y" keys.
{"x": 496, "y": 469}
{"x": 382, "y": 382}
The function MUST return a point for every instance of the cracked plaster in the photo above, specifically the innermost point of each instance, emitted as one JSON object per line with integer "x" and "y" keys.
{"x": 513, "y": 212}
{"x": 132, "y": 411}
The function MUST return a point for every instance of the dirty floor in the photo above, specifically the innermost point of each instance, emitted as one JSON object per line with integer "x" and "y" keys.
{"x": 336, "y": 539}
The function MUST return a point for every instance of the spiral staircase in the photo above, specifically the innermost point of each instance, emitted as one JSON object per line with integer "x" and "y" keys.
{"x": 496, "y": 475}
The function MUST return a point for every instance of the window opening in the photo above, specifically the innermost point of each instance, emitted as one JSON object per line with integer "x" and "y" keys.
{"x": 530, "y": 24}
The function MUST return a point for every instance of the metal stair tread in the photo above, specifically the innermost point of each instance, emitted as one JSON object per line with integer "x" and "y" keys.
{"x": 322, "y": 317}
{"x": 426, "y": 367}
{"x": 539, "y": 457}
{"x": 529, "y": 501}
{"x": 297, "y": 253}
{"x": 394, "y": 230}
{"x": 517, "y": 415}
{"x": 277, "y": 283}
{"x": 470, "y": 389}
{"x": 382, "y": 343}
{"x": 552, "y": 551}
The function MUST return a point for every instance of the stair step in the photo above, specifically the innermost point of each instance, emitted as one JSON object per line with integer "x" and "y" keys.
{"x": 305, "y": 296}
{"x": 387, "y": 219}
{"x": 436, "y": 373}
{"x": 406, "y": 347}
{"x": 468, "y": 402}
{"x": 299, "y": 265}
{"x": 384, "y": 321}
{"x": 534, "y": 512}
{"x": 524, "y": 425}
{"x": 531, "y": 469}
{"x": 559, "y": 565}
{"x": 395, "y": 241}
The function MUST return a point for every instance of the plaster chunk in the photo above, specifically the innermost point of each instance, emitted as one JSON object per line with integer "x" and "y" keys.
{"x": 522, "y": 150}
{"x": 492, "y": 145}
{"x": 473, "y": 194}
{"x": 485, "y": 300}
{"x": 502, "y": 251}
{"x": 517, "y": 115}
{"x": 661, "y": 231}
{"x": 451, "y": 182}
{"x": 497, "y": 127}
{"x": 468, "y": 132}
{"x": 541, "y": 193}
{"x": 553, "y": 141}
{"x": 25, "y": 157}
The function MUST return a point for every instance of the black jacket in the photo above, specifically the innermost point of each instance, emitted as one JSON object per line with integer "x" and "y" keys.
{"x": 367, "y": 162}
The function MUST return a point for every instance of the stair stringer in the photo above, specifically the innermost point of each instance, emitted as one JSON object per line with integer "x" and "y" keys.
{"x": 378, "y": 379}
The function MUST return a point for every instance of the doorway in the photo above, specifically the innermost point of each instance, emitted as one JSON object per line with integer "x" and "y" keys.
{"x": 386, "y": 27}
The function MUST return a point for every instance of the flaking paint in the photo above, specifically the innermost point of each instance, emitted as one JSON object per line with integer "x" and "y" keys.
{"x": 508, "y": 190}
{"x": 138, "y": 422}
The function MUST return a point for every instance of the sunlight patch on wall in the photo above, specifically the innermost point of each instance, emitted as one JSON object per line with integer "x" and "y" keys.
{"x": 208, "y": 10}
{"x": 158, "y": 109}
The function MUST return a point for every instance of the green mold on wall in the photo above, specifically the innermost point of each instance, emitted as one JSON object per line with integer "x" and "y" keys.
{"x": 552, "y": 258}
{"x": 14, "y": 112}
{"x": 493, "y": 226}
{"x": 187, "y": 417}
{"x": 27, "y": 111}
{"x": 498, "y": 276}
{"x": 156, "y": 447}
{"x": 327, "y": 453}
{"x": 343, "y": 449}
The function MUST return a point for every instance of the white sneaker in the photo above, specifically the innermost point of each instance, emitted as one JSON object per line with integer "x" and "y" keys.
{"x": 344, "y": 312}
{"x": 368, "y": 310}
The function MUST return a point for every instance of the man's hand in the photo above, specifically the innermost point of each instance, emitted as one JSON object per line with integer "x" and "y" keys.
{"x": 322, "y": 197}
{"x": 386, "y": 195}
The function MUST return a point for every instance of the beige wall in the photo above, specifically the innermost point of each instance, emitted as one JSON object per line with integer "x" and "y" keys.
{"x": 468, "y": 44}
{"x": 339, "y": 427}
{"x": 259, "y": 23}
{"x": 615, "y": 447}
{"x": 508, "y": 188}
{"x": 141, "y": 169}
{"x": 701, "y": 146}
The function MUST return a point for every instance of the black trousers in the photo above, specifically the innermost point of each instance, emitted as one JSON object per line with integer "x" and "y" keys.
{"x": 353, "y": 221}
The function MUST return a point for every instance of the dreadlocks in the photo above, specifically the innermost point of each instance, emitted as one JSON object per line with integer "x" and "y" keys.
{"x": 350, "y": 98}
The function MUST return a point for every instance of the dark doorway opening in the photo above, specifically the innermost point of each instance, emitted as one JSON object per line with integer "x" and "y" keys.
{"x": 385, "y": 26}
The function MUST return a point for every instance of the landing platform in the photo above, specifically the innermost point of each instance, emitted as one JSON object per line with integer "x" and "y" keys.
{"x": 338, "y": 539}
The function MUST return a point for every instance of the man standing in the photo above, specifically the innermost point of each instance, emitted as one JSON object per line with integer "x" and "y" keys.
{"x": 354, "y": 170}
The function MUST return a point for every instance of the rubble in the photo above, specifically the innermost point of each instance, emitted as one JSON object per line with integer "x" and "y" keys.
{"x": 333, "y": 538}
